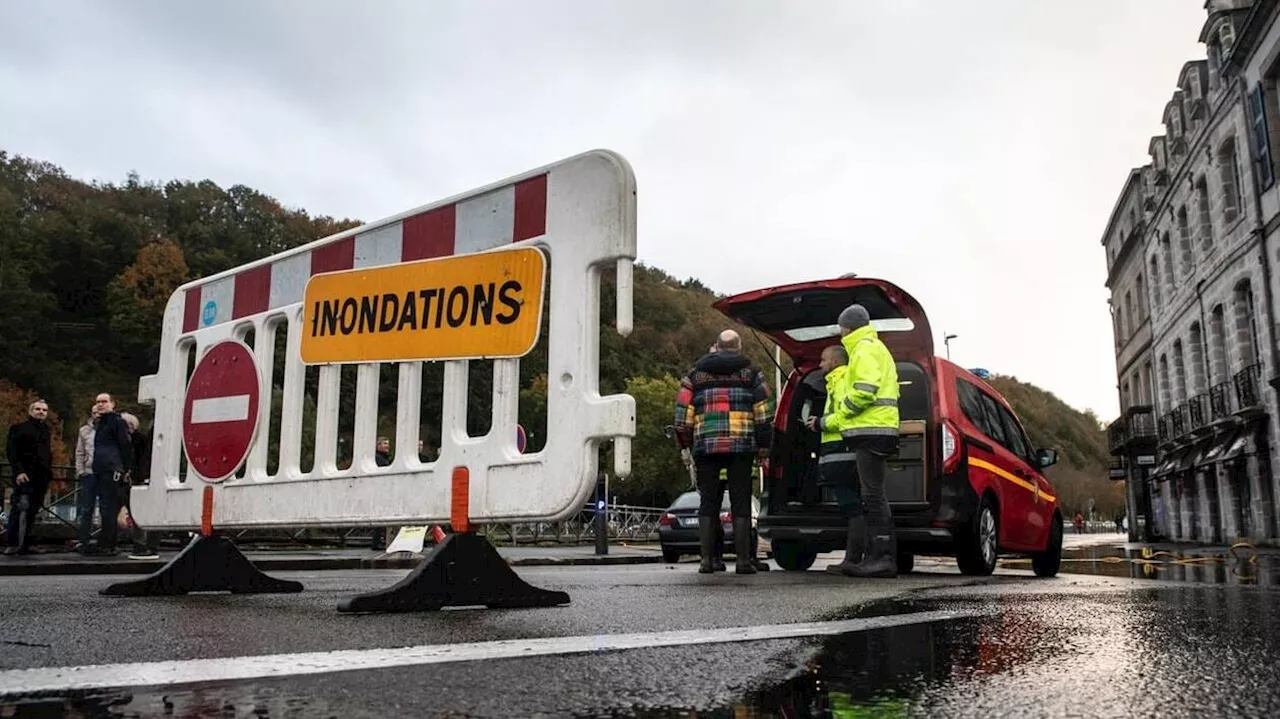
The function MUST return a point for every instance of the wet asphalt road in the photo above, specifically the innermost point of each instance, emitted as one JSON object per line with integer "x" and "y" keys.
{"x": 1072, "y": 646}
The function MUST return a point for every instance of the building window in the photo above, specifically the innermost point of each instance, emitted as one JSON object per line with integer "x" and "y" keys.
{"x": 1260, "y": 138}
{"x": 1125, "y": 400}
{"x": 1246, "y": 325}
{"x": 1175, "y": 124}
{"x": 1184, "y": 243}
{"x": 1196, "y": 341}
{"x": 1148, "y": 385}
{"x": 1128, "y": 311}
{"x": 1142, "y": 301}
{"x": 1179, "y": 374}
{"x": 1227, "y": 38}
{"x": 1165, "y": 391}
{"x": 1218, "y": 361}
{"x": 1166, "y": 250}
{"x": 1229, "y": 179}
{"x": 1204, "y": 220}
{"x": 1157, "y": 298}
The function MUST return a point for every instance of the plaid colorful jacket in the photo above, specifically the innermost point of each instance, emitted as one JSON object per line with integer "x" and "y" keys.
{"x": 724, "y": 407}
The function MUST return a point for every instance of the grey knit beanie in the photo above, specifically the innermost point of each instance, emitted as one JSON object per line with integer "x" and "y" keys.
{"x": 853, "y": 317}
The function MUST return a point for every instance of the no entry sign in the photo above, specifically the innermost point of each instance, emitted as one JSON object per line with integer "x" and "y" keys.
{"x": 220, "y": 414}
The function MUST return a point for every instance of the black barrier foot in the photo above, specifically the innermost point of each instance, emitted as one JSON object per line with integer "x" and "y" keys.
{"x": 207, "y": 564}
{"x": 463, "y": 571}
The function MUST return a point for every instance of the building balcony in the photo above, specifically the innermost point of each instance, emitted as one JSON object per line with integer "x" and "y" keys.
{"x": 1196, "y": 412}
{"x": 1135, "y": 429}
{"x": 1178, "y": 422}
{"x": 1248, "y": 383}
{"x": 1220, "y": 402}
{"x": 1162, "y": 429}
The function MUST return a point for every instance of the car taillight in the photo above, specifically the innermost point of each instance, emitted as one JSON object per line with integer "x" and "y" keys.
{"x": 667, "y": 519}
{"x": 950, "y": 449}
{"x": 726, "y": 517}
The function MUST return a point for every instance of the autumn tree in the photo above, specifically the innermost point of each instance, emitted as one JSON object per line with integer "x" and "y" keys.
{"x": 138, "y": 297}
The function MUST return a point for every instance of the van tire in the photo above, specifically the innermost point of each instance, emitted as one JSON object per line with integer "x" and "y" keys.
{"x": 906, "y": 562}
{"x": 792, "y": 555}
{"x": 670, "y": 556}
{"x": 978, "y": 545}
{"x": 1046, "y": 563}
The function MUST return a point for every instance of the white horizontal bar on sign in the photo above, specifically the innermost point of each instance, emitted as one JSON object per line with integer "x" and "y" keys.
{"x": 220, "y": 409}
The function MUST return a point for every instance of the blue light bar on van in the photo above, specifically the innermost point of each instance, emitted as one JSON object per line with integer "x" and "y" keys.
{"x": 980, "y": 373}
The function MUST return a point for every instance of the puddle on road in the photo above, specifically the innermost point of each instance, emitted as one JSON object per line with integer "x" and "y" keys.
{"x": 1243, "y": 565}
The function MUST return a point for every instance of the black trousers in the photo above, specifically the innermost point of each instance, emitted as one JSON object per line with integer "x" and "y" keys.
{"x": 712, "y": 489}
{"x": 27, "y": 500}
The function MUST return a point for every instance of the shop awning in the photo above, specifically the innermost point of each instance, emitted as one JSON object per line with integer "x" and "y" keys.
{"x": 1168, "y": 463}
{"x": 1240, "y": 444}
{"x": 1220, "y": 446}
{"x": 1192, "y": 454}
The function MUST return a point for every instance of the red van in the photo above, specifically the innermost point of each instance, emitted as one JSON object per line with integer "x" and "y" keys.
{"x": 966, "y": 481}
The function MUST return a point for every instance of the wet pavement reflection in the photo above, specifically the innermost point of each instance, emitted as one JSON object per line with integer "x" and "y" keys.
{"x": 1182, "y": 650}
{"x": 1242, "y": 564}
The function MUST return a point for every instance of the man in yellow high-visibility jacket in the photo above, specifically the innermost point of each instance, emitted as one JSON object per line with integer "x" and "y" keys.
{"x": 867, "y": 419}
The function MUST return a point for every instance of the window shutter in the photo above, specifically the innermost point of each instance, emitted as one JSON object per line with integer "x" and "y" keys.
{"x": 1260, "y": 137}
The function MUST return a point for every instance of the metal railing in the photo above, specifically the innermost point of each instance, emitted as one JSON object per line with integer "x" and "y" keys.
{"x": 1197, "y": 417}
{"x": 1163, "y": 429}
{"x": 1142, "y": 424}
{"x": 1220, "y": 401}
{"x": 622, "y": 522}
{"x": 1248, "y": 387}
{"x": 1117, "y": 434}
{"x": 1178, "y": 421}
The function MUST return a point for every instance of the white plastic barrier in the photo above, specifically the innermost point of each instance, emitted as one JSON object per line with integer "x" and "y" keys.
{"x": 581, "y": 212}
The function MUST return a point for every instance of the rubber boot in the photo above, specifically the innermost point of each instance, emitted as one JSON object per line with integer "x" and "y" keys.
{"x": 854, "y": 542}
{"x": 717, "y": 563}
{"x": 881, "y": 560}
{"x": 742, "y": 545}
{"x": 706, "y": 544}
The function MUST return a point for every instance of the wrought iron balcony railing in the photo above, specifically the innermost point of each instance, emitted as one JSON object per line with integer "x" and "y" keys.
{"x": 1196, "y": 415}
{"x": 1248, "y": 387}
{"x": 1220, "y": 401}
{"x": 1178, "y": 421}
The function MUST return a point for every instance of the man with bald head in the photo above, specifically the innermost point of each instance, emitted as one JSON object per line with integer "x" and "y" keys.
{"x": 724, "y": 415}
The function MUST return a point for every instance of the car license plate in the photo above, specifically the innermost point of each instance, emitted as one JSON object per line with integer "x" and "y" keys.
{"x": 689, "y": 521}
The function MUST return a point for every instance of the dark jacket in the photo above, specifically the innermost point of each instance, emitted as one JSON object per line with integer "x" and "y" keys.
{"x": 382, "y": 459}
{"x": 141, "y": 442}
{"x": 30, "y": 450}
{"x": 112, "y": 447}
{"x": 724, "y": 407}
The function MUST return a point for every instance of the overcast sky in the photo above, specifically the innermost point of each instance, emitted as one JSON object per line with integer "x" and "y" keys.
{"x": 969, "y": 151}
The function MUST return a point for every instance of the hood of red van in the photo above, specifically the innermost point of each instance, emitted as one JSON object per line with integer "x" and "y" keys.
{"x": 801, "y": 318}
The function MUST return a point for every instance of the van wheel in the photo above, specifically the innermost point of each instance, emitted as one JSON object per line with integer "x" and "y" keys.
{"x": 1046, "y": 563}
{"x": 670, "y": 556}
{"x": 978, "y": 545}
{"x": 906, "y": 562}
{"x": 793, "y": 556}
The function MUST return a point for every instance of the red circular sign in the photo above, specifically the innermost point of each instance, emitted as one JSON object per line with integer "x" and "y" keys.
{"x": 220, "y": 413}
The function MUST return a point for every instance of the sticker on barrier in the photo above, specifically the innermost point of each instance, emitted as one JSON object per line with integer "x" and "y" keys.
{"x": 462, "y": 280}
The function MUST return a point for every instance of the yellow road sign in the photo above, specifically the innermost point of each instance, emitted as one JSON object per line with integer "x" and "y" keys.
{"x": 474, "y": 306}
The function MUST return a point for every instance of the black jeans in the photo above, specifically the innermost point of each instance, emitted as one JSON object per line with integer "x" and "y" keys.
{"x": 712, "y": 489}
{"x": 99, "y": 489}
{"x": 27, "y": 500}
{"x": 875, "y": 505}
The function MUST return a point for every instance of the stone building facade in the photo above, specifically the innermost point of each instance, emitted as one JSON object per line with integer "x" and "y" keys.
{"x": 1191, "y": 280}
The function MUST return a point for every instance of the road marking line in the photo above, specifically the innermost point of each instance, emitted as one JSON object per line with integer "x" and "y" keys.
{"x": 49, "y": 680}
{"x": 234, "y": 408}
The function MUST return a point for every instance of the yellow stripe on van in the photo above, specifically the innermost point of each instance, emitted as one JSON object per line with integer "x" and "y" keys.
{"x": 983, "y": 464}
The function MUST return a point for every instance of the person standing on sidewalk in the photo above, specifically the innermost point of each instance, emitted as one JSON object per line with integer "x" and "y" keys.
{"x": 724, "y": 414}
{"x": 145, "y": 543}
{"x": 112, "y": 462}
{"x": 29, "y": 448}
{"x": 867, "y": 415}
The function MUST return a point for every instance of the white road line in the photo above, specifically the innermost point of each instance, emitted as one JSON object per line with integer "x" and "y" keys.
{"x": 52, "y": 680}
{"x": 220, "y": 409}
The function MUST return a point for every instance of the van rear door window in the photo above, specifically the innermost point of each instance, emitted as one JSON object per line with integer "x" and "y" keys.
{"x": 971, "y": 405}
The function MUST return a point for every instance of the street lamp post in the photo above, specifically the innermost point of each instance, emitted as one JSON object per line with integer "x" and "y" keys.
{"x": 946, "y": 340}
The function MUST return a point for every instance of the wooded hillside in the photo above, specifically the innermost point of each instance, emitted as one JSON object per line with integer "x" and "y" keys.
{"x": 86, "y": 269}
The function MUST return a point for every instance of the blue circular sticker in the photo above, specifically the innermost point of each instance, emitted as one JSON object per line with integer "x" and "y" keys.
{"x": 210, "y": 313}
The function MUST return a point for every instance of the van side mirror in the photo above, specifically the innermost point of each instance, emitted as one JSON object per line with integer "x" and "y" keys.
{"x": 1046, "y": 458}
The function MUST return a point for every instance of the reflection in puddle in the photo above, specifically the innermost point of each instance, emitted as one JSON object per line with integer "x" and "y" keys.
{"x": 1242, "y": 565}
